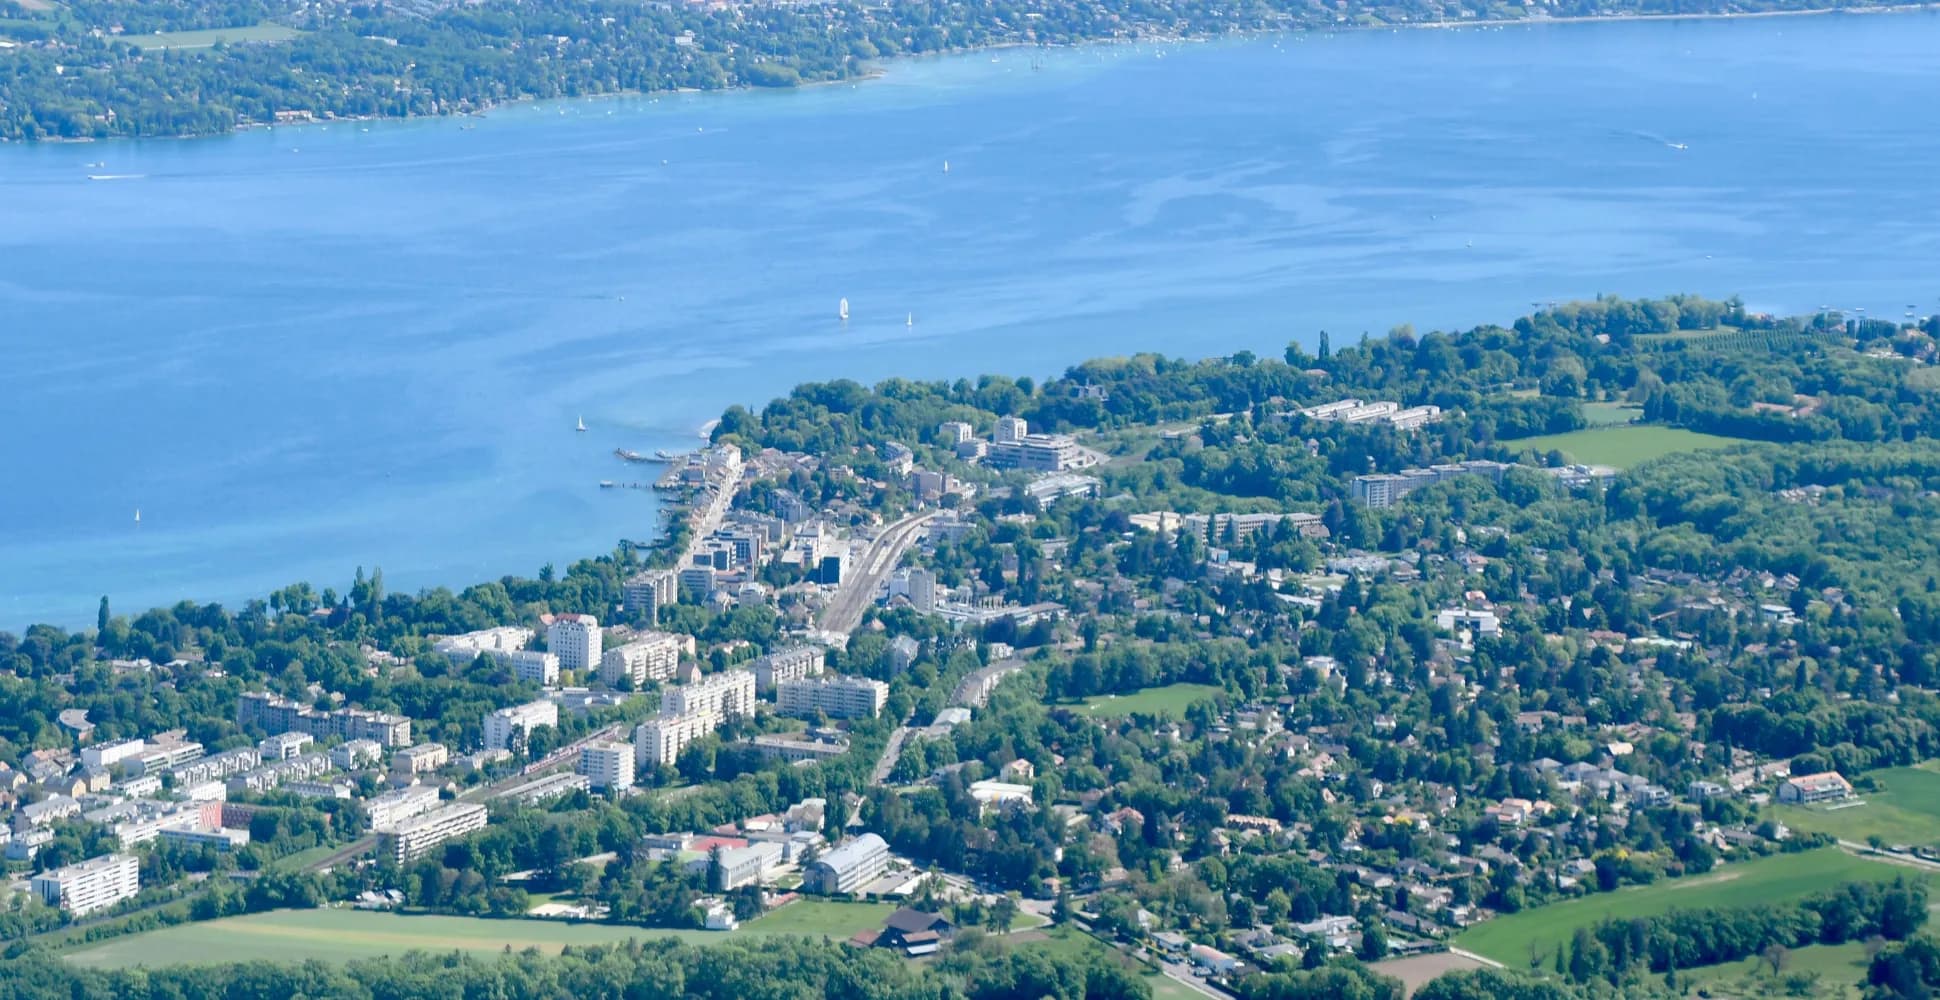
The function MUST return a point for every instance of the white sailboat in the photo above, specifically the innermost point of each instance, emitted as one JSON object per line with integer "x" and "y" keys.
{"x": 581, "y": 426}
{"x": 137, "y": 515}
{"x": 946, "y": 166}
{"x": 842, "y": 310}
{"x": 911, "y": 321}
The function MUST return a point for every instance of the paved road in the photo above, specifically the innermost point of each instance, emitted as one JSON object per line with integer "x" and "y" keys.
{"x": 852, "y": 598}
{"x": 887, "y": 762}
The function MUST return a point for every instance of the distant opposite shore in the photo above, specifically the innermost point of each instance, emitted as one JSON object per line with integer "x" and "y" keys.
{"x": 69, "y": 79}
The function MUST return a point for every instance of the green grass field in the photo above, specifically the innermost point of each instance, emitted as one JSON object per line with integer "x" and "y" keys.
{"x": 1840, "y": 968}
{"x": 1767, "y": 880}
{"x": 1611, "y": 414}
{"x": 1905, "y": 810}
{"x": 207, "y": 38}
{"x": 1169, "y": 701}
{"x": 338, "y": 935}
{"x": 1623, "y": 447}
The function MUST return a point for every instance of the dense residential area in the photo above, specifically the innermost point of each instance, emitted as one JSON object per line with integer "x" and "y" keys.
{"x": 1591, "y": 655}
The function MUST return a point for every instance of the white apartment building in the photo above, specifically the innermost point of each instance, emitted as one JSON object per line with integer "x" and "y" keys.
{"x": 415, "y": 837}
{"x": 353, "y": 754}
{"x": 531, "y": 666}
{"x": 90, "y": 885}
{"x": 955, "y": 432}
{"x": 104, "y": 756}
{"x": 391, "y": 809}
{"x": 917, "y": 584}
{"x": 521, "y": 719}
{"x": 835, "y": 697}
{"x": 648, "y": 592}
{"x": 575, "y": 639}
{"x": 651, "y": 657}
{"x": 787, "y": 665}
{"x": 498, "y": 643}
{"x": 729, "y": 693}
{"x": 607, "y": 766}
{"x": 284, "y": 746}
{"x": 1011, "y": 430}
{"x": 659, "y": 740}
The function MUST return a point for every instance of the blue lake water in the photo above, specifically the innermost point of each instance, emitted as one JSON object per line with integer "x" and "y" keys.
{"x": 303, "y": 350}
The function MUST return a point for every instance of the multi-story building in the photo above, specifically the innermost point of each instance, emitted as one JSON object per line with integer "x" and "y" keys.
{"x": 216, "y": 767}
{"x": 727, "y": 694}
{"x": 532, "y": 666}
{"x": 916, "y": 584}
{"x": 787, "y": 665}
{"x": 792, "y": 750}
{"x": 220, "y": 838}
{"x": 659, "y": 740}
{"x": 1806, "y": 789}
{"x": 955, "y": 432}
{"x": 104, "y": 756}
{"x": 389, "y": 810}
{"x": 849, "y": 867}
{"x": 607, "y": 766}
{"x": 351, "y": 755}
{"x": 1037, "y": 453}
{"x": 498, "y": 643}
{"x": 274, "y": 714}
{"x": 575, "y": 639}
{"x": 652, "y": 657}
{"x": 421, "y": 759}
{"x": 649, "y": 591}
{"x": 835, "y": 697}
{"x": 158, "y": 757}
{"x": 94, "y": 884}
{"x": 415, "y": 837}
{"x": 283, "y": 746}
{"x": 269, "y": 776}
{"x": 1011, "y": 430}
{"x": 733, "y": 867}
{"x": 698, "y": 580}
{"x": 500, "y": 726}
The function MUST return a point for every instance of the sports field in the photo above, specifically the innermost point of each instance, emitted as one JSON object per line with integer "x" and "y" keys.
{"x": 336, "y": 935}
{"x": 207, "y": 38}
{"x": 1169, "y": 701}
{"x": 1511, "y": 939}
{"x": 1904, "y": 811}
{"x": 1622, "y": 446}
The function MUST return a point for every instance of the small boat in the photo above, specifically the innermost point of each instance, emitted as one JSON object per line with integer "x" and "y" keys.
{"x": 911, "y": 321}
{"x": 606, "y": 484}
{"x": 137, "y": 515}
{"x": 581, "y": 426}
{"x": 842, "y": 310}
{"x": 946, "y": 166}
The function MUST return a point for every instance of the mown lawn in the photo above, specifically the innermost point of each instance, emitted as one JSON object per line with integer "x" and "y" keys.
{"x": 207, "y": 38}
{"x": 1169, "y": 701}
{"x": 1624, "y": 446}
{"x": 1904, "y": 811}
{"x": 337, "y": 935}
{"x": 1780, "y": 878}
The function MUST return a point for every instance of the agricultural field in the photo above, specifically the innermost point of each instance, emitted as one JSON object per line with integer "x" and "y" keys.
{"x": 336, "y": 935}
{"x": 1623, "y": 446}
{"x": 1168, "y": 702}
{"x": 1512, "y": 939}
{"x": 1904, "y": 810}
{"x": 207, "y": 38}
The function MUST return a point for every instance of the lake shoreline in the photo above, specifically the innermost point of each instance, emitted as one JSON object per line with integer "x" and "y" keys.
{"x": 879, "y": 70}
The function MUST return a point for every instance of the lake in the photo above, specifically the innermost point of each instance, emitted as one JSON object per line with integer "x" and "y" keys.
{"x": 301, "y": 350}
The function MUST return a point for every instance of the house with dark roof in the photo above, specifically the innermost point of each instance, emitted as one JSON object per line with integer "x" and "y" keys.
{"x": 912, "y": 932}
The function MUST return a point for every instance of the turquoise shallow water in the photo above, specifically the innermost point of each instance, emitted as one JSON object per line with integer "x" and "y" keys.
{"x": 303, "y": 350}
